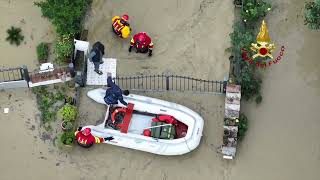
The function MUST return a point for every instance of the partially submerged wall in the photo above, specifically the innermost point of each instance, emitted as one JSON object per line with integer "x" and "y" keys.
{"x": 232, "y": 111}
{"x": 14, "y": 84}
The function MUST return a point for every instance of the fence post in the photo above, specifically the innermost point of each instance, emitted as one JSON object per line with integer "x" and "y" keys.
{"x": 225, "y": 86}
{"x": 25, "y": 74}
{"x": 167, "y": 83}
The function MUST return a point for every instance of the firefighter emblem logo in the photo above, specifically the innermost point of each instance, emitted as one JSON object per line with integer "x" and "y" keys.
{"x": 263, "y": 47}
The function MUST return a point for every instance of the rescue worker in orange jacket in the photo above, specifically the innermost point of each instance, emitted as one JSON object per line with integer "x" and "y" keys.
{"x": 142, "y": 43}
{"x": 86, "y": 139}
{"x": 121, "y": 26}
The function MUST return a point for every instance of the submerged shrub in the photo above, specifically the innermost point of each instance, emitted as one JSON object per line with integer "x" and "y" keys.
{"x": 240, "y": 38}
{"x": 250, "y": 82}
{"x": 68, "y": 112}
{"x": 243, "y": 126}
{"x": 312, "y": 14}
{"x": 42, "y": 52}
{"x": 254, "y": 9}
{"x": 67, "y": 138}
{"x": 14, "y": 36}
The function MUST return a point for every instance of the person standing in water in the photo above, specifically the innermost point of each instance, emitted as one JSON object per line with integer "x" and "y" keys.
{"x": 96, "y": 56}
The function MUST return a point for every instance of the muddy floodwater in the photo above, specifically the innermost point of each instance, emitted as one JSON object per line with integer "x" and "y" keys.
{"x": 35, "y": 29}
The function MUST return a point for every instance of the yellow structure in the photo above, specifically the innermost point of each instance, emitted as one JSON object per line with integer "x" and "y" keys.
{"x": 263, "y": 48}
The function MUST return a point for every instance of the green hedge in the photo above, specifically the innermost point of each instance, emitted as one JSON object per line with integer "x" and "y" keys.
{"x": 241, "y": 38}
{"x": 66, "y": 15}
{"x": 42, "y": 52}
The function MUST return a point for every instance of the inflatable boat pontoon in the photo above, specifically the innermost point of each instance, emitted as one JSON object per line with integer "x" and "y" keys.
{"x": 173, "y": 129}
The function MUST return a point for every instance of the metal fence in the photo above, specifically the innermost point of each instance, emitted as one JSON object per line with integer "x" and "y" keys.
{"x": 12, "y": 74}
{"x": 170, "y": 83}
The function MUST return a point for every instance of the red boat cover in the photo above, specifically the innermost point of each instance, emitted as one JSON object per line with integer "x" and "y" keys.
{"x": 124, "y": 126}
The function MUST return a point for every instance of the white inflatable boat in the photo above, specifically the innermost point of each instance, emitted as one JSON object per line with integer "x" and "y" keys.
{"x": 143, "y": 114}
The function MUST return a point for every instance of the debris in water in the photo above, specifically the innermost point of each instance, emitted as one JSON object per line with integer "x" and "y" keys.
{"x": 33, "y": 127}
{"x": 42, "y": 157}
{"x": 6, "y": 110}
{"x": 45, "y": 137}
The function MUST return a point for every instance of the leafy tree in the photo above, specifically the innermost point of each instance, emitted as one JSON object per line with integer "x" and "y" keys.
{"x": 312, "y": 14}
{"x": 66, "y": 15}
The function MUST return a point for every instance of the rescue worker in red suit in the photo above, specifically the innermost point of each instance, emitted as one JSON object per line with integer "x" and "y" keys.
{"x": 142, "y": 43}
{"x": 86, "y": 139}
{"x": 121, "y": 26}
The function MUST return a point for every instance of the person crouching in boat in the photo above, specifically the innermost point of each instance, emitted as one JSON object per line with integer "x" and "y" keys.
{"x": 86, "y": 139}
{"x": 142, "y": 43}
{"x": 121, "y": 26}
{"x": 114, "y": 93}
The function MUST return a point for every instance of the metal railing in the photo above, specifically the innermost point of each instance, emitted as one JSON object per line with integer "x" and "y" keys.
{"x": 170, "y": 83}
{"x": 11, "y": 74}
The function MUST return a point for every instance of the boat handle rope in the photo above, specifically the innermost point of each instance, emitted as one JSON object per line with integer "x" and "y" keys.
{"x": 187, "y": 144}
{"x": 158, "y": 126}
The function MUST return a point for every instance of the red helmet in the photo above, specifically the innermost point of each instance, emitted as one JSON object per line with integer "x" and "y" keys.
{"x": 125, "y": 17}
{"x": 147, "y": 132}
{"x": 86, "y": 131}
{"x": 142, "y": 37}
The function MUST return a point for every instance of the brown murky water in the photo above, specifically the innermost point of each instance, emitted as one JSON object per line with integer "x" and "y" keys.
{"x": 35, "y": 29}
{"x": 283, "y": 138}
{"x": 189, "y": 38}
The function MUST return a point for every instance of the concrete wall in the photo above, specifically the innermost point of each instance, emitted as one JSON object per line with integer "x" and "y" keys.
{"x": 13, "y": 84}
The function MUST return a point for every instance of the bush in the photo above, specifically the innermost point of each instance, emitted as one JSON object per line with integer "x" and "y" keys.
{"x": 259, "y": 99}
{"x": 47, "y": 116}
{"x": 39, "y": 90}
{"x": 254, "y": 9}
{"x": 67, "y": 125}
{"x": 63, "y": 48}
{"x": 42, "y": 52}
{"x": 250, "y": 82}
{"x": 65, "y": 15}
{"x": 46, "y": 101}
{"x": 237, "y": 2}
{"x": 240, "y": 38}
{"x": 14, "y": 36}
{"x": 67, "y": 138}
{"x": 68, "y": 112}
{"x": 312, "y": 14}
{"x": 242, "y": 126}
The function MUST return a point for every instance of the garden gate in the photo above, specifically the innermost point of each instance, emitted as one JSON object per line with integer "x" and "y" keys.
{"x": 14, "y": 77}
